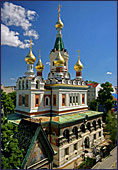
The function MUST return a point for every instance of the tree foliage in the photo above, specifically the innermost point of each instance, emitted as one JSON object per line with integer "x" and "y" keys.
{"x": 105, "y": 98}
{"x": 11, "y": 156}
{"x": 93, "y": 105}
{"x": 111, "y": 126}
{"x": 12, "y": 95}
{"x": 7, "y": 104}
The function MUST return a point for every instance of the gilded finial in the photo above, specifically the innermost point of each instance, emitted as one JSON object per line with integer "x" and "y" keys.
{"x": 30, "y": 43}
{"x": 39, "y": 53}
{"x": 30, "y": 58}
{"x": 78, "y": 54}
{"x": 59, "y": 9}
{"x": 59, "y": 23}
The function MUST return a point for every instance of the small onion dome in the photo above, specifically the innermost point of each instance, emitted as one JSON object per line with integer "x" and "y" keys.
{"x": 59, "y": 60}
{"x": 78, "y": 66}
{"x": 30, "y": 58}
{"x": 59, "y": 23}
{"x": 39, "y": 66}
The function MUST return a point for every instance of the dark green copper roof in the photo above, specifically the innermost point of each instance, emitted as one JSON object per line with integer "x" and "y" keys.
{"x": 59, "y": 42}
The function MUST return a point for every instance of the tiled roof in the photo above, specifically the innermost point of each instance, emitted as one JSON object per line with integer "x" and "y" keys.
{"x": 92, "y": 84}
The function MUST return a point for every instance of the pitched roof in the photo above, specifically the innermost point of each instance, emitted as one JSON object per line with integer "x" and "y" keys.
{"x": 92, "y": 84}
{"x": 28, "y": 132}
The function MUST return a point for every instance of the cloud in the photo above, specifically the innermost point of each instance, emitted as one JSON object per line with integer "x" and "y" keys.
{"x": 12, "y": 78}
{"x": 18, "y": 16}
{"x": 48, "y": 63}
{"x": 14, "y": 15}
{"x": 109, "y": 73}
{"x": 31, "y": 14}
{"x": 11, "y": 38}
{"x": 32, "y": 33}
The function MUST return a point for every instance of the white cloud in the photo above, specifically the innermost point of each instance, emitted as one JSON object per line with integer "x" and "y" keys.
{"x": 48, "y": 63}
{"x": 31, "y": 14}
{"x": 14, "y": 15}
{"x": 31, "y": 33}
{"x": 20, "y": 17}
{"x": 109, "y": 73}
{"x": 11, "y": 38}
{"x": 12, "y": 78}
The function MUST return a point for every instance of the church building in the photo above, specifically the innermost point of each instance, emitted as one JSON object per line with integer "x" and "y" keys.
{"x": 60, "y": 103}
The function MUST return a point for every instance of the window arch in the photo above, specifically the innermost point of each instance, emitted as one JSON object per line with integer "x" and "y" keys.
{"x": 82, "y": 127}
{"x": 26, "y": 84}
{"x": 66, "y": 134}
{"x": 94, "y": 124}
{"x": 75, "y": 131}
{"x": 99, "y": 123}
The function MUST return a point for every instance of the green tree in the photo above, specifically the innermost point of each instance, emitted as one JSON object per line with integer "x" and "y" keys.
{"x": 105, "y": 97}
{"x": 12, "y": 95}
{"x": 93, "y": 105}
{"x": 11, "y": 156}
{"x": 7, "y": 104}
{"x": 111, "y": 127}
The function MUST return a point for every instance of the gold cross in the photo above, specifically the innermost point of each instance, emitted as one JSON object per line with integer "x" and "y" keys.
{"x": 30, "y": 43}
{"x": 59, "y": 9}
{"x": 39, "y": 52}
{"x": 78, "y": 55}
{"x": 78, "y": 52}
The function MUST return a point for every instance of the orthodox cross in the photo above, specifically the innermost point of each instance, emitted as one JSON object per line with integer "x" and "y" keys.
{"x": 59, "y": 9}
{"x": 30, "y": 43}
{"x": 78, "y": 54}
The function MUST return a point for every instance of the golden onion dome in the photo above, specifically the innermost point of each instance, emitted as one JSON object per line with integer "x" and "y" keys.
{"x": 59, "y": 60}
{"x": 30, "y": 58}
{"x": 39, "y": 66}
{"x": 59, "y": 23}
{"x": 78, "y": 66}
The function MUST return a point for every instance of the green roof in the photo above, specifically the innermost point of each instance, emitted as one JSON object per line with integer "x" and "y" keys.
{"x": 75, "y": 116}
{"x": 59, "y": 42}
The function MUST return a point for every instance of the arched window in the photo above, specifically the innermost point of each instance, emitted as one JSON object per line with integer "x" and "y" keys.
{"x": 66, "y": 134}
{"x": 94, "y": 124}
{"x": 65, "y": 63}
{"x": 23, "y": 84}
{"x": 47, "y": 101}
{"x": 88, "y": 126}
{"x": 19, "y": 85}
{"x": 37, "y": 84}
{"x": 26, "y": 84}
{"x": 99, "y": 123}
{"x": 75, "y": 131}
{"x": 53, "y": 63}
{"x": 86, "y": 142}
{"x": 82, "y": 127}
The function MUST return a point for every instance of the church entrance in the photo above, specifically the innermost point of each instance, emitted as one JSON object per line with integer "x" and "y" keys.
{"x": 86, "y": 142}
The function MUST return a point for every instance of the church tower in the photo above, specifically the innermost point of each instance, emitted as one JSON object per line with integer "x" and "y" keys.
{"x": 58, "y": 53}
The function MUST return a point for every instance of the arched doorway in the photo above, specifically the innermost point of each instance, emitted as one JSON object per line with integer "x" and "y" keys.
{"x": 86, "y": 142}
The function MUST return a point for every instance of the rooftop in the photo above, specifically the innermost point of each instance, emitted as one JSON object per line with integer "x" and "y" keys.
{"x": 61, "y": 119}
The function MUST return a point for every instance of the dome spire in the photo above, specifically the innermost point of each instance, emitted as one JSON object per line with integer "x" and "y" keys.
{"x": 59, "y": 23}
{"x": 30, "y": 58}
{"x": 39, "y": 66}
{"x": 78, "y": 66}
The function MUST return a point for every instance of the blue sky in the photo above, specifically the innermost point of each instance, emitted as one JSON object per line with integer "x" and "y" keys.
{"x": 90, "y": 26}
